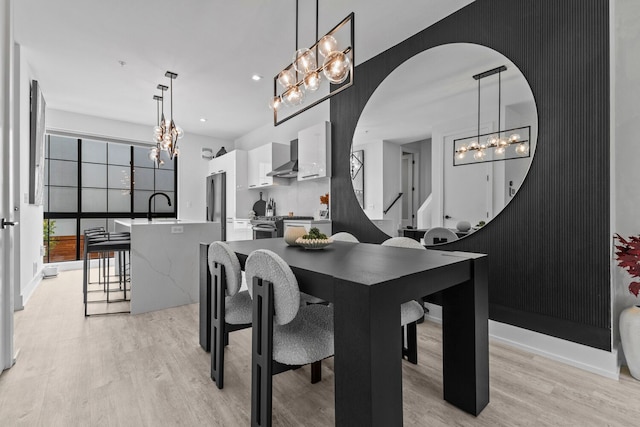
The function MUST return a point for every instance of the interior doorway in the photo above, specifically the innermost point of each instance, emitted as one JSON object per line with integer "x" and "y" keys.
{"x": 468, "y": 189}
{"x": 408, "y": 190}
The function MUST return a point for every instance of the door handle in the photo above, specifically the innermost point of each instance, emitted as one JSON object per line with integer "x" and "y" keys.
{"x": 4, "y": 223}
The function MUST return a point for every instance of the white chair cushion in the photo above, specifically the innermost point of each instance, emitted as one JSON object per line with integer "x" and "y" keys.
{"x": 220, "y": 253}
{"x": 439, "y": 233}
{"x": 267, "y": 265}
{"x": 410, "y": 312}
{"x": 307, "y": 338}
{"x": 238, "y": 308}
{"x": 403, "y": 242}
{"x": 343, "y": 236}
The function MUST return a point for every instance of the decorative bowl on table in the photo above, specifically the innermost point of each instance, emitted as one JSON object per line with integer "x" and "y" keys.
{"x": 313, "y": 243}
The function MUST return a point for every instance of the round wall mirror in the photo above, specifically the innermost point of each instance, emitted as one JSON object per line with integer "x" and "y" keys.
{"x": 444, "y": 143}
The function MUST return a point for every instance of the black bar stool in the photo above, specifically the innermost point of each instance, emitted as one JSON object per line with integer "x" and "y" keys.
{"x": 104, "y": 244}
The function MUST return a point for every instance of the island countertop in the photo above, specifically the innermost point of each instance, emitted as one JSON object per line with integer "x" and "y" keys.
{"x": 159, "y": 221}
{"x": 164, "y": 260}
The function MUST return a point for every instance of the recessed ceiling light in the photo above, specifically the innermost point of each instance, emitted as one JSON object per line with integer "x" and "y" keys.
{"x": 256, "y": 77}
{"x": 203, "y": 119}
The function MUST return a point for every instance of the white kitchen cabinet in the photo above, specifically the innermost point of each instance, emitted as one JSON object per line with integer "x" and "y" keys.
{"x": 264, "y": 159}
{"x": 234, "y": 164}
{"x": 239, "y": 229}
{"x": 314, "y": 152}
{"x": 324, "y": 225}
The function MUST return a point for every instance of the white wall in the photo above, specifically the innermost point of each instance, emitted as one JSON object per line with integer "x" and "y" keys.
{"x": 30, "y": 216}
{"x": 625, "y": 173}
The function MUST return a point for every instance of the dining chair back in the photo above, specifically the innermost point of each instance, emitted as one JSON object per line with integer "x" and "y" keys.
{"x": 230, "y": 308}
{"x": 343, "y": 236}
{"x": 436, "y": 235}
{"x": 286, "y": 334}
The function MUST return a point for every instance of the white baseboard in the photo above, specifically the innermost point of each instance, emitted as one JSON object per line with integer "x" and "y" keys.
{"x": 30, "y": 288}
{"x": 37, "y": 279}
{"x": 590, "y": 359}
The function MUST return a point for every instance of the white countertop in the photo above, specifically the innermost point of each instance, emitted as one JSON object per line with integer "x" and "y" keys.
{"x": 309, "y": 221}
{"x": 158, "y": 221}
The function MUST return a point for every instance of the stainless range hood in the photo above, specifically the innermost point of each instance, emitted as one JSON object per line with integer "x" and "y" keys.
{"x": 289, "y": 169}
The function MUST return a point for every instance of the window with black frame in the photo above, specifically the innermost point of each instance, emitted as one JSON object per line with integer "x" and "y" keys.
{"x": 90, "y": 183}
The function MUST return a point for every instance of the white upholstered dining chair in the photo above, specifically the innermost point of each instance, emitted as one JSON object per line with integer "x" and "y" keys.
{"x": 343, "y": 236}
{"x": 229, "y": 313}
{"x": 436, "y": 235}
{"x": 286, "y": 334}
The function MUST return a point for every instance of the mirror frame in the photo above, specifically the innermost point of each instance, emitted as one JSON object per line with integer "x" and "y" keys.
{"x": 476, "y": 58}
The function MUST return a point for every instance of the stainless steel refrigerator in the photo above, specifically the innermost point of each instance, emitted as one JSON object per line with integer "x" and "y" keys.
{"x": 217, "y": 201}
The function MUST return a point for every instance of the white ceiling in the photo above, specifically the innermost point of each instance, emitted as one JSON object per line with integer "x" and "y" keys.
{"x": 74, "y": 48}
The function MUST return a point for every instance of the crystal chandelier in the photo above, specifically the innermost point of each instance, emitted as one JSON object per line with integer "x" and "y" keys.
{"x": 504, "y": 144}
{"x": 304, "y": 76}
{"x": 165, "y": 133}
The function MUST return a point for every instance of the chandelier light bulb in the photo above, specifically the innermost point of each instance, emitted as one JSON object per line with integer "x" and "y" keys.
{"x": 160, "y": 162}
{"x": 179, "y": 132}
{"x": 312, "y": 81}
{"x": 336, "y": 67}
{"x": 479, "y": 155}
{"x": 327, "y": 45}
{"x": 157, "y": 130}
{"x": 153, "y": 154}
{"x": 514, "y": 137}
{"x": 294, "y": 96}
{"x": 286, "y": 78}
{"x": 473, "y": 145}
{"x": 462, "y": 149}
{"x": 522, "y": 149}
{"x": 304, "y": 61}
{"x": 503, "y": 142}
{"x": 461, "y": 155}
{"x": 500, "y": 150}
{"x": 275, "y": 103}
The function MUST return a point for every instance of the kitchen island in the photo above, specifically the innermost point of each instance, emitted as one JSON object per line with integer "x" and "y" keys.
{"x": 164, "y": 260}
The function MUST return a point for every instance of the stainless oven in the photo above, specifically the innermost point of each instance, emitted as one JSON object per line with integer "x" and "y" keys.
{"x": 264, "y": 230}
{"x": 266, "y": 227}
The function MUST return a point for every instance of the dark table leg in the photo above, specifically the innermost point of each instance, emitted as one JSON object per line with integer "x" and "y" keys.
{"x": 465, "y": 341}
{"x": 368, "y": 357}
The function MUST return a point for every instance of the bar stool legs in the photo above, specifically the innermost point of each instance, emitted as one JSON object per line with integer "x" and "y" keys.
{"x": 104, "y": 244}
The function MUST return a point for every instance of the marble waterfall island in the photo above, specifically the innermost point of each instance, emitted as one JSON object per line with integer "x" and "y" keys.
{"x": 164, "y": 260}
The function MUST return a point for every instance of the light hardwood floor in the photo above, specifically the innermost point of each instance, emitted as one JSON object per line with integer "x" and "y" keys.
{"x": 148, "y": 370}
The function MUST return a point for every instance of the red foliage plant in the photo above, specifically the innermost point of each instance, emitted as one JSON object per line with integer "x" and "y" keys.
{"x": 628, "y": 257}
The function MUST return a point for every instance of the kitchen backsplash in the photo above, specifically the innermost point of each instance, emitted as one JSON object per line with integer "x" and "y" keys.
{"x": 300, "y": 197}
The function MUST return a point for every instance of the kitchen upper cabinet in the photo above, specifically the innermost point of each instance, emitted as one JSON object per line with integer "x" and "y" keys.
{"x": 264, "y": 159}
{"x": 234, "y": 164}
{"x": 314, "y": 152}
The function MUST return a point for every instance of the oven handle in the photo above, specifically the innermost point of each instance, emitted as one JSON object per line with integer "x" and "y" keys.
{"x": 263, "y": 227}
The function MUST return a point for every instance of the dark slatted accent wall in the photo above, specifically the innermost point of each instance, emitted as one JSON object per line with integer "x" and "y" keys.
{"x": 549, "y": 249}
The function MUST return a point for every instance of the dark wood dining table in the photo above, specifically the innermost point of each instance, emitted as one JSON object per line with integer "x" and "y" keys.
{"x": 367, "y": 283}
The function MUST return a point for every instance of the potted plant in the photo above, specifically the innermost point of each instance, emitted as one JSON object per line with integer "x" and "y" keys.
{"x": 628, "y": 257}
{"x": 50, "y": 242}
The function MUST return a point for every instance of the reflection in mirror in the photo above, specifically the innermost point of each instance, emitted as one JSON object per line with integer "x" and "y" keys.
{"x": 408, "y": 134}
{"x": 357, "y": 175}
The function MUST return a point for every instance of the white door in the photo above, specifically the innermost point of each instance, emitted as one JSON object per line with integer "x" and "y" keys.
{"x": 6, "y": 233}
{"x": 468, "y": 189}
{"x": 408, "y": 189}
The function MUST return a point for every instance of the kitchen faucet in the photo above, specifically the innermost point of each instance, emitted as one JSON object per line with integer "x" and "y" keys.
{"x": 151, "y": 198}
